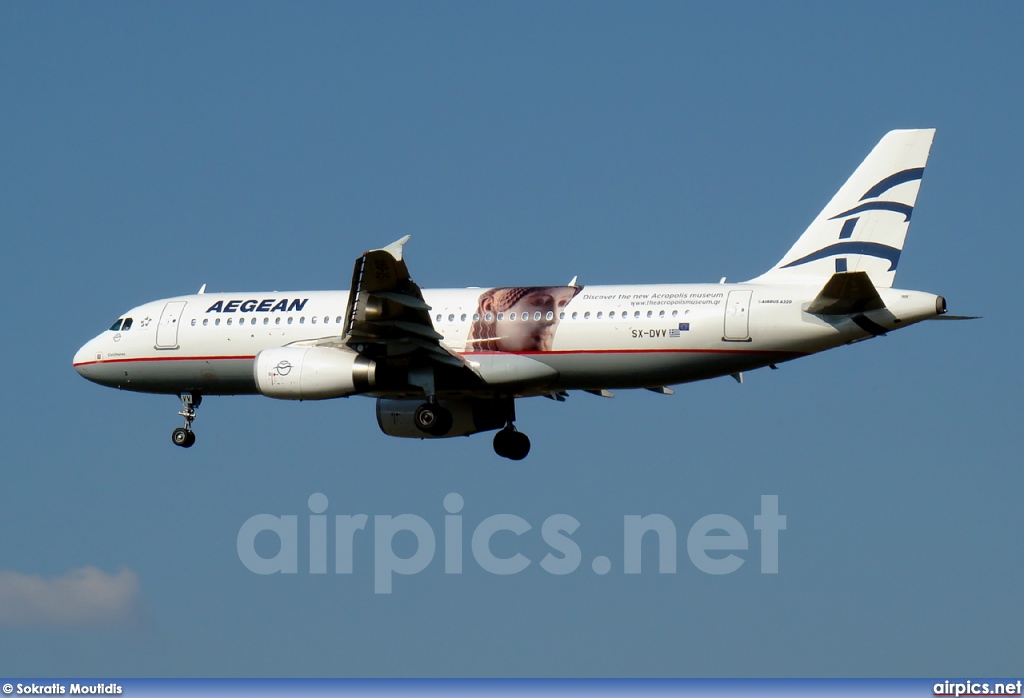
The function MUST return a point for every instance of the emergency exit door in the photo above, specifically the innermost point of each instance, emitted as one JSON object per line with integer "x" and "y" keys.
{"x": 737, "y": 316}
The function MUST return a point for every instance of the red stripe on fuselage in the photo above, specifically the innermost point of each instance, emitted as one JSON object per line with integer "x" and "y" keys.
{"x": 478, "y": 353}
{"x": 637, "y": 351}
{"x": 167, "y": 358}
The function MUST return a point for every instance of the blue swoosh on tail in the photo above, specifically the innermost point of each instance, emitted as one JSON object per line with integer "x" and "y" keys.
{"x": 893, "y": 180}
{"x": 895, "y": 206}
{"x": 871, "y": 249}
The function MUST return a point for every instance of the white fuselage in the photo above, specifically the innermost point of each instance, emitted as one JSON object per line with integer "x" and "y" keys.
{"x": 633, "y": 336}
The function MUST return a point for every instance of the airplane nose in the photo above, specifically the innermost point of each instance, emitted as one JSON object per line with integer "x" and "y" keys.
{"x": 79, "y": 360}
{"x": 84, "y": 358}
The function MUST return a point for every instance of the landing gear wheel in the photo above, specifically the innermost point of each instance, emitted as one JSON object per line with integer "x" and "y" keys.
{"x": 511, "y": 444}
{"x": 433, "y": 419}
{"x": 520, "y": 446}
{"x": 501, "y": 441}
{"x": 183, "y": 437}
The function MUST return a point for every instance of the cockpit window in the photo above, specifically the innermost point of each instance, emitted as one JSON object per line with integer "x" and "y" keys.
{"x": 117, "y": 324}
{"x": 127, "y": 324}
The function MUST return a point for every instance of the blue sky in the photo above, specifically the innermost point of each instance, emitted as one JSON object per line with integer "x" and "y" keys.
{"x": 150, "y": 148}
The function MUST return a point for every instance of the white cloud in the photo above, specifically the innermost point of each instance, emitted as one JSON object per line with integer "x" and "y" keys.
{"x": 81, "y": 597}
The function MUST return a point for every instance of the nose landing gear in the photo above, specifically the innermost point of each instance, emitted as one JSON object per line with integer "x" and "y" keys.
{"x": 184, "y": 436}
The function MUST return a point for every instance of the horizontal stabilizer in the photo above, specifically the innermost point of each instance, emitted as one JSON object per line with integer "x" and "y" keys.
{"x": 846, "y": 293}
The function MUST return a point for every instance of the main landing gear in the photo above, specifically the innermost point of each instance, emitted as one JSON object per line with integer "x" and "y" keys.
{"x": 184, "y": 436}
{"x": 511, "y": 443}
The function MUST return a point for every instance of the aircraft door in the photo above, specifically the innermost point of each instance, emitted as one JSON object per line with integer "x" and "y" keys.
{"x": 737, "y": 316}
{"x": 167, "y": 329}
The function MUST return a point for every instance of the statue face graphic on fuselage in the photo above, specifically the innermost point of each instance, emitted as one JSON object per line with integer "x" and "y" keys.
{"x": 519, "y": 318}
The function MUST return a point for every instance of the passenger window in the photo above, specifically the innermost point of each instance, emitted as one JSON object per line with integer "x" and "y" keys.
{"x": 550, "y": 315}
{"x": 575, "y": 315}
{"x": 476, "y": 317}
{"x": 266, "y": 321}
{"x": 511, "y": 316}
{"x": 302, "y": 320}
{"x": 451, "y": 317}
{"x": 599, "y": 314}
{"x": 661, "y": 313}
{"x": 501, "y": 316}
{"x": 463, "y": 317}
{"x": 526, "y": 316}
{"x": 675, "y": 313}
{"x": 536, "y": 316}
{"x": 439, "y": 317}
{"x": 193, "y": 322}
{"x": 290, "y": 318}
{"x": 229, "y": 321}
{"x": 489, "y": 316}
{"x": 277, "y": 320}
{"x": 650, "y": 313}
{"x": 586, "y": 315}
{"x": 313, "y": 321}
{"x": 561, "y": 315}
{"x": 217, "y": 321}
{"x": 206, "y": 321}
{"x": 326, "y": 319}
{"x": 636, "y": 314}
{"x": 117, "y": 325}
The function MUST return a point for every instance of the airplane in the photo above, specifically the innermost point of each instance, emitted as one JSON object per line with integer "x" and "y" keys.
{"x": 452, "y": 362}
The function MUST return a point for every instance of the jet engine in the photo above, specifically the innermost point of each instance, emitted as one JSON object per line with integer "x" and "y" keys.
{"x": 312, "y": 373}
{"x": 442, "y": 419}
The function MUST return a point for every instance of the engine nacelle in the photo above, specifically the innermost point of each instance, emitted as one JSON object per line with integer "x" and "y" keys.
{"x": 464, "y": 417}
{"x": 312, "y": 373}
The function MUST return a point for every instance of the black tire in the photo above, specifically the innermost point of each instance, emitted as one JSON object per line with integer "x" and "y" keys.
{"x": 433, "y": 419}
{"x": 519, "y": 446}
{"x": 511, "y": 444}
{"x": 180, "y": 437}
{"x": 191, "y": 440}
{"x": 501, "y": 442}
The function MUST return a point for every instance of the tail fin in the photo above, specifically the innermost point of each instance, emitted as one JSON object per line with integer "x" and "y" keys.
{"x": 865, "y": 224}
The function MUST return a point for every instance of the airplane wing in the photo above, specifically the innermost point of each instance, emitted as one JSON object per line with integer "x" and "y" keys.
{"x": 388, "y": 321}
{"x": 386, "y": 315}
